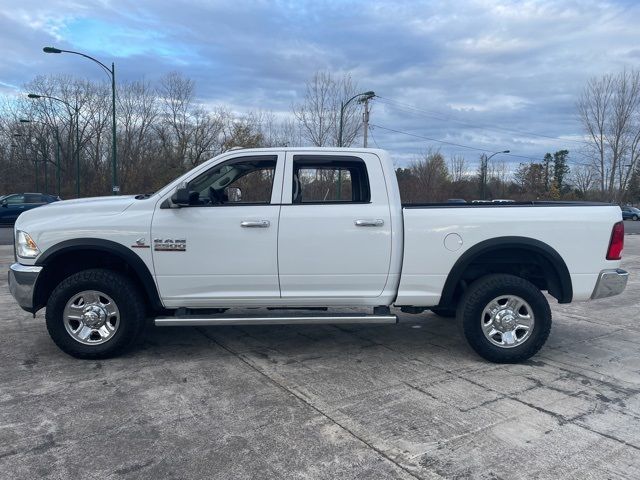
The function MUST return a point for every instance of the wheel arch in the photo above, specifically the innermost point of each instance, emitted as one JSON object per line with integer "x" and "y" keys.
{"x": 529, "y": 250}
{"x": 65, "y": 258}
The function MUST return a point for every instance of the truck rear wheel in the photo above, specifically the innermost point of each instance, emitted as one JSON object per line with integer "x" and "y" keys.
{"x": 505, "y": 319}
{"x": 95, "y": 313}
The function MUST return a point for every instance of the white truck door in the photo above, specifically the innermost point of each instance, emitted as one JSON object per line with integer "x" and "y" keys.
{"x": 222, "y": 249}
{"x": 335, "y": 227}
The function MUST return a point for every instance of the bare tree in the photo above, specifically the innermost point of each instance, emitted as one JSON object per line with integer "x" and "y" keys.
{"x": 189, "y": 133}
{"x": 609, "y": 109}
{"x": 431, "y": 176}
{"x": 498, "y": 175}
{"x": 138, "y": 113}
{"x": 319, "y": 112}
{"x": 457, "y": 168}
{"x": 593, "y": 107}
{"x": 583, "y": 177}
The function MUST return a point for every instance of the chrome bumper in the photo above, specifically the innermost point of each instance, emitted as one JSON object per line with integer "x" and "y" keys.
{"x": 22, "y": 281}
{"x": 610, "y": 283}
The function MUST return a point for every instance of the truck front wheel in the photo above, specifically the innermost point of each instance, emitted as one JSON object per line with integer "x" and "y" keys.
{"x": 505, "y": 319}
{"x": 95, "y": 313}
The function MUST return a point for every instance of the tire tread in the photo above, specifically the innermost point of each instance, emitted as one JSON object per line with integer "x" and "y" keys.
{"x": 130, "y": 303}
{"x": 498, "y": 284}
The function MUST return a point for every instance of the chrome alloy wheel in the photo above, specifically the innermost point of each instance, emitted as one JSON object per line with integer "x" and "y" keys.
{"x": 507, "y": 321}
{"x": 91, "y": 317}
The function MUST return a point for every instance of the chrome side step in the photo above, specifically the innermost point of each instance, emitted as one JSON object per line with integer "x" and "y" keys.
{"x": 195, "y": 321}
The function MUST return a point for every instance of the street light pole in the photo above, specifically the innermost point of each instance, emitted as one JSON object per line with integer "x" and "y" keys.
{"x": 115, "y": 188}
{"x": 76, "y": 109}
{"x": 483, "y": 167}
{"x": 365, "y": 96}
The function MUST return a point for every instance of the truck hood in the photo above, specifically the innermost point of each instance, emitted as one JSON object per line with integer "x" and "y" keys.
{"x": 96, "y": 206}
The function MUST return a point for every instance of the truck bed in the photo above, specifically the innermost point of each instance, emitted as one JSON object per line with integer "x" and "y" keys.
{"x": 437, "y": 235}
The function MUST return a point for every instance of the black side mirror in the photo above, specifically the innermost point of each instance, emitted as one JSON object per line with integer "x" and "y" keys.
{"x": 3, "y": 204}
{"x": 181, "y": 197}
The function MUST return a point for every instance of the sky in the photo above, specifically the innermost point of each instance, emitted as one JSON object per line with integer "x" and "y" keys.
{"x": 492, "y": 75}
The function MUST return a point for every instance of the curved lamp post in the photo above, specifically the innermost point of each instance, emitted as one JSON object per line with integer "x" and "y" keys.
{"x": 485, "y": 165}
{"x": 365, "y": 96}
{"x": 77, "y": 114}
{"x": 112, "y": 74}
{"x": 57, "y": 134}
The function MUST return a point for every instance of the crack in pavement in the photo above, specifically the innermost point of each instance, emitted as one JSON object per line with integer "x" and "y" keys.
{"x": 558, "y": 417}
{"x": 310, "y": 405}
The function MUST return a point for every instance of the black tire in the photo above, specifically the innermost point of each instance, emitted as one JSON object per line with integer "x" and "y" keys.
{"x": 127, "y": 298}
{"x": 444, "y": 312}
{"x": 635, "y": 218}
{"x": 480, "y": 294}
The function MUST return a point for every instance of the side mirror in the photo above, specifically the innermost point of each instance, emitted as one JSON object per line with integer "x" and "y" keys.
{"x": 3, "y": 204}
{"x": 181, "y": 197}
{"x": 234, "y": 194}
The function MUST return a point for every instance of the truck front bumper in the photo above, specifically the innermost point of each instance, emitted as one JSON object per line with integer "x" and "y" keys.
{"x": 610, "y": 283}
{"x": 22, "y": 281}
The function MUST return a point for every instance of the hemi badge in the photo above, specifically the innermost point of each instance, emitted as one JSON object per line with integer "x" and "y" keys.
{"x": 169, "y": 245}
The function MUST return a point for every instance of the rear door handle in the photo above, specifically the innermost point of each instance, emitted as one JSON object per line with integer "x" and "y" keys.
{"x": 369, "y": 223}
{"x": 255, "y": 223}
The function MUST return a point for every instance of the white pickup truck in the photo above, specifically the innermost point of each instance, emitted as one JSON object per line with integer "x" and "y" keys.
{"x": 299, "y": 230}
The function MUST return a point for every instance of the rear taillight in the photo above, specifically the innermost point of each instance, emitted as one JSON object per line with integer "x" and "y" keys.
{"x": 617, "y": 242}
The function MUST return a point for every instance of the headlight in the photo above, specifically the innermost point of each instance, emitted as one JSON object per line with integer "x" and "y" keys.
{"x": 26, "y": 247}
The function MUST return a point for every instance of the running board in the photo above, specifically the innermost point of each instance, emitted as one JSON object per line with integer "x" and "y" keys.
{"x": 275, "y": 320}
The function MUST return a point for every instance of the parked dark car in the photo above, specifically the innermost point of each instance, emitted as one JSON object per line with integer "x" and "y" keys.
{"x": 630, "y": 213}
{"x": 14, "y": 204}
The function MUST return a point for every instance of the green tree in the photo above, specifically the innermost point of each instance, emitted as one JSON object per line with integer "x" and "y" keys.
{"x": 633, "y": 188}
{"x": 530, "y": 179}
{"x": 560, "y": 169}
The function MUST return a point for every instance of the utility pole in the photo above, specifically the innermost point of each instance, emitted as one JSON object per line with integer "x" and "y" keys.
{"x": 343, "y": 105}
{"x": 365, "y": 120}
{"x": 483, "y": 174}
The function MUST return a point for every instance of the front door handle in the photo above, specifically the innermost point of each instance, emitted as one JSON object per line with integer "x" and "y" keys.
{"x": 255, "y": 223}
{"x": 369, "y": 223}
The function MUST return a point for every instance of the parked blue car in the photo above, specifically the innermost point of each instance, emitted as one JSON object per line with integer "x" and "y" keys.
{"x": 13, "y": 205}
{"x": 630, "y": 213}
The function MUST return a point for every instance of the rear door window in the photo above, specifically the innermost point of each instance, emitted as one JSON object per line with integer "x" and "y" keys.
{"x": 329, "y": 179}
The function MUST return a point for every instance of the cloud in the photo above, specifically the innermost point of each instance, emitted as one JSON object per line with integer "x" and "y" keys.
{"x": 473, "y": 72}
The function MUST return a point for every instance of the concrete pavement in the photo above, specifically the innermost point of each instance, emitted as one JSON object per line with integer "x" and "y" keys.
{"x": 631, "y": 227}
{"x": 372, "y": 402}
{"x": 6, "y": 235}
